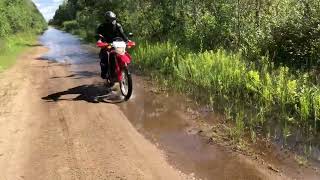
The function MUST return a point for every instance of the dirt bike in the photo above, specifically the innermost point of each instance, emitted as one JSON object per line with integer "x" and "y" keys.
{"x": 122, "y": 58}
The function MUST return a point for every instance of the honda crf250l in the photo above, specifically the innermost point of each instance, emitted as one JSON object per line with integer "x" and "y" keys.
{"x": 117, "y": 52}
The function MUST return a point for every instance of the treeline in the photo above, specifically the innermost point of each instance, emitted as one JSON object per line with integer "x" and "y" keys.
{"x": 20, "y": 16}
{"x": 287, "y": 31}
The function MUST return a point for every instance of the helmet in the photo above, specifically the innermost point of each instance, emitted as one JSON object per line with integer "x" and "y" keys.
{"x": 110, "y": 17}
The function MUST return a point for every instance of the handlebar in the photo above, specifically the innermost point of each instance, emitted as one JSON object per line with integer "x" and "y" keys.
{"x": 101, "y": 44}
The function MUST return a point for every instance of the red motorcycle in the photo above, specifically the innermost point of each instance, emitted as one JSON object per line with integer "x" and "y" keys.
{"x": 122, "y": 59}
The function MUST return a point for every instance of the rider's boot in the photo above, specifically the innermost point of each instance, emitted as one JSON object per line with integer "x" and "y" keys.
{"x": 103, "y": 75}
{"x": 103, "y": 70}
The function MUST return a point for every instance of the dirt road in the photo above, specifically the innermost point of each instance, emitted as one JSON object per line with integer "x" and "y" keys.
{"x": 52, "y": 126}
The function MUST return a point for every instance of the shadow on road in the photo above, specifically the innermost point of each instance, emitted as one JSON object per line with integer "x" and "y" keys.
{"x": 88, "y": 93}
{"x": 79, "y": 75}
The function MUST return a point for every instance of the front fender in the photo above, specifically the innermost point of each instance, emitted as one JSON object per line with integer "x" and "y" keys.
{"x": 124, "y": 59}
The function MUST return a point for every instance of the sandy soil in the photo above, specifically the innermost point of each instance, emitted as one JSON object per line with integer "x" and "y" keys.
{"x": 62, "y": 140}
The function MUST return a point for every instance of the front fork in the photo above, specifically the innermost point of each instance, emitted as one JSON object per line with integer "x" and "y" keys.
{"x": 119, "y": 68}
{"x": 119, "y": 65}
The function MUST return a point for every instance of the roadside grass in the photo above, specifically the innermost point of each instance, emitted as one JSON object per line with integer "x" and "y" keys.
{"x": 258, "y": 98}
{"x": 12, "y": 46}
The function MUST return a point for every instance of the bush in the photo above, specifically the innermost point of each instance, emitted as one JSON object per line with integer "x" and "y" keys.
{"x": 70, "y": 26}
{"x": 296, "y": 44}
{"x": 5, "y": 28}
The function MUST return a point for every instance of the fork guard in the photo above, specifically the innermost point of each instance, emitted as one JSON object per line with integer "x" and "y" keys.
{"x": 122, "y": 61}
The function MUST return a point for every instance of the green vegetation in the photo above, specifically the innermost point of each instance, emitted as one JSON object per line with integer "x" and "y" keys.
{"x": 14, "y": 44}
{"x": 254, "y": 60}
{"x": 20, "y": 21}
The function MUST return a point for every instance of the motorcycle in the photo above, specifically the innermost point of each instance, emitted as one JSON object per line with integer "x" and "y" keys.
{"x": 122, "y": 75}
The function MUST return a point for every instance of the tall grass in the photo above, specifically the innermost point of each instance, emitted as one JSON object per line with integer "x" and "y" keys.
{"x": 11, "y": 46}
{"x": 260, "y": 98}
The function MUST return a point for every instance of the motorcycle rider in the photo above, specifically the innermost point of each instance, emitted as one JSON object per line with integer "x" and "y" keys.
{"x": 110, "y": 30}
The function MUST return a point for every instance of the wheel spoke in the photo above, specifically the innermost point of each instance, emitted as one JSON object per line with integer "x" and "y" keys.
{"x": 124, "y": 83}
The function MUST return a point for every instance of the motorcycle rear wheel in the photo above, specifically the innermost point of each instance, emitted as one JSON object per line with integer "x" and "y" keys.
{"x": 126, "y": 84}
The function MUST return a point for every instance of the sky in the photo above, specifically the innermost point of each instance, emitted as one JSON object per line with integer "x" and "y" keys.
{"x": 48, "y": 7}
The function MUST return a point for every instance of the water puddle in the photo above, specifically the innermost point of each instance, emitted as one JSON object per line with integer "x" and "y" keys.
{"x": 163, "y": 120}
{"x": 65, "y": 48}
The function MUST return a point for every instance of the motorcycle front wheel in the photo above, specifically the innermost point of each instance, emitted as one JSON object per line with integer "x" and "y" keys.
{"x": 126, "y": 84}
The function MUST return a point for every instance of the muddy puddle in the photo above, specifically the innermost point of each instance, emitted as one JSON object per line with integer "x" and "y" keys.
{"x": 162, "y": 118}
{"x": 66, "y": 48}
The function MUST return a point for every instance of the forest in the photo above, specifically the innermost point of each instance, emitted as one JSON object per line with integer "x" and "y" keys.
{"x": 20, "y": 22}
{"x": 257, "y": 61}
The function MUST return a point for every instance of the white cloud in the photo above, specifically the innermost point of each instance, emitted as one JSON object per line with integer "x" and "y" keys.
{"x": 47, "y": 7}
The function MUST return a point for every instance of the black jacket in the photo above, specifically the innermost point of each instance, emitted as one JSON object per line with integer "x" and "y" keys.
{"x": 110, "y": 32}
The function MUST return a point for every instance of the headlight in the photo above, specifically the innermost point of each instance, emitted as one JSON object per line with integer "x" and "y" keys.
{"x": 120, "y": 47}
